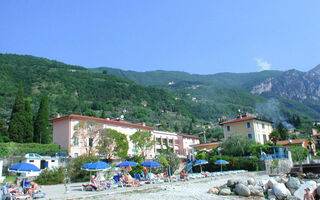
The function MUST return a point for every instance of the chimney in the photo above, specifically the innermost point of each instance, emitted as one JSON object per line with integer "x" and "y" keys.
{"x": 58, "y": 115}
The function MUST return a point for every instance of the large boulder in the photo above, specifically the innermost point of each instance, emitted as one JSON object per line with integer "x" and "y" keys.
{"x": 257, "y": 191}
{"x": 281, "y": 191}
{"x": 271, "y": 183}
{"x": 225, "y": 191}
{"x": 213, "y": 191}
{"x": 251, "y": 181}
{"x": 312, "y": 185}
{"x": 293, "y": 184}
{"x": 242, "y": 190}
{"x": 291, "y": 198}
{"x": 231, "y": 182}
{"x": 263, "y": 184}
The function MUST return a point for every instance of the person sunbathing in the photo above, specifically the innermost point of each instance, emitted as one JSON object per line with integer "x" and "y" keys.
{"x": 33, "y": 189}
{"x": 129, "y": 179}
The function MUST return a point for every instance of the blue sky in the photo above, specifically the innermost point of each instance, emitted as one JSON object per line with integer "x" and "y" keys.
{"x": 202, "y": 37}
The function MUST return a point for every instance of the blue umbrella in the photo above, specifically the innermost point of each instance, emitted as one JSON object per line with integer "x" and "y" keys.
{"x": 127, "y": 164}
{"x": 200, "y": 162}
{"x": 151, "y": 164}
{"x": 97, "y": 166}
{"x": 24, "y": 167}
{"x": 221, "y": 162}
{"x": 85, "y": 166}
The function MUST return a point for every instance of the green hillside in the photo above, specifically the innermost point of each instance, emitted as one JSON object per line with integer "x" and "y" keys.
{"x": 74, "y": 89}
{"x": 218, "y": 94}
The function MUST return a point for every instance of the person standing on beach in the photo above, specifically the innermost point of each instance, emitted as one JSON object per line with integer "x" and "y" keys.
{"x": 308, "y": 195}
{"x": 145, "y": 172}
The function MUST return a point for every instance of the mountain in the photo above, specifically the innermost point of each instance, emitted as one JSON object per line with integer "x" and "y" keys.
{"x": 297, "y": 92}
{"x": 75, "y": 89}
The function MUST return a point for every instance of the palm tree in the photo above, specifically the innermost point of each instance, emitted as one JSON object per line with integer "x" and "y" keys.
{"x": 274, "y": 136}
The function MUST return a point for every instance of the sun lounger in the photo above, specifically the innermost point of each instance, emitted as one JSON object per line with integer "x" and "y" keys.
{"x": 11, "y": 196}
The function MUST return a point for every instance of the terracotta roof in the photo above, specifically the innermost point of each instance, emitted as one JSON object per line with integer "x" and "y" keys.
{"x": 242, "y": 119}
{"x": 189, "y": 136}
{"x": 206, "y": 144}
{"x": 106, "y": 121}
{"x": 296, "y": 141}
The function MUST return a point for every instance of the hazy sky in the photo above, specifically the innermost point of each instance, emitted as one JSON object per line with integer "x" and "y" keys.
{"x": 202, "y": 37}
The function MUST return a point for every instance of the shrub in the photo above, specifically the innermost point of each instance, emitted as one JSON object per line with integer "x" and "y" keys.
{"x": 51, "y": 176}
{"x": 237, "y": 146}
{"x": 20, "y": 149}
{"x": 235, "y": 163}
{"x": 74, "y": 168}
{"x": 298, "y": 153}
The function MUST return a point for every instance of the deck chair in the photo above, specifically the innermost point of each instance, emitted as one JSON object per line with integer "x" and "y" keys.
{"x": 8, "y": 196}
{"x": 117, "y": 180}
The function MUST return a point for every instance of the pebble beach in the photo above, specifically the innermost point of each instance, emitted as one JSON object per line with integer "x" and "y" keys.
{"x": 195, "y": 189}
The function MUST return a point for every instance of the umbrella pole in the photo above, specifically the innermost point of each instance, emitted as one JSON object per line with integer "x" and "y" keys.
{"x": 200, "y": 169}
{"x": 221, "y": 167}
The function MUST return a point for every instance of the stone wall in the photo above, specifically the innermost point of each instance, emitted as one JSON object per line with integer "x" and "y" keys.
{"x": 279, "y": 166}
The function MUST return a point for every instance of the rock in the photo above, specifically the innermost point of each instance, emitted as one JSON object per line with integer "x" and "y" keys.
{"x": 281, "y": 191}
{"x": 291, "y": 198}
{"x": 271, "y": 194}
{"x": 213, "y": 191}
{"x": 263, "y": 184}
{"x": 293, "y": 184}
{"x": 231, "y": 182}
{"x": 250, "y": 187}
{"x": 225, "y": 191}
{"x": 318, "y": 190}
{"x": 251, "y": 181}
{"x": 271, "y": 182}
{"x": 257, "y": 191}
{"x": 242, "y": 190}
{"x": 312, "y": 185}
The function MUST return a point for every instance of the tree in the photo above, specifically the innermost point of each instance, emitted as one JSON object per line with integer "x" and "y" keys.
{"x": 142, "y": 140}
{"x": 41, "y": 124}
{"x": 103, "y": 115}
{"x": 88, "y": 133}
{"x": 112, "y": 143}
{"x": 3, "y": 132}
{"x": 299, "y": 154}
{"x": 274, "y": 136}
{"x": 16, "y": 126}
{"x": 284, "y": 135}
{"x": 28, "y": 123}
{"x": 236, "y": 146}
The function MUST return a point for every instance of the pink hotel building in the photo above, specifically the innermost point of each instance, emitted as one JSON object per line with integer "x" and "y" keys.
{"x": 64, "y": 128}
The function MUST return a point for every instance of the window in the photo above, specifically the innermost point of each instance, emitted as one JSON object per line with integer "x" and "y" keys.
{"x": 250, "y": 135}
{"x": 158, "y": 141}
{"x": 263, "y": 126}
{"x": 170, "y": 142}
{"x": 264, "y": 139}
{"x": 228, "y": 128}
{"x": 248, "y": 125}
{"x": 75, "y": 155}
{"x": 53, "y": 161}
{"x": 90, "y": 142}
{"x": 229, "y": 136}
{"x": 31, "y": 160}
{"x": 75, "y": 141}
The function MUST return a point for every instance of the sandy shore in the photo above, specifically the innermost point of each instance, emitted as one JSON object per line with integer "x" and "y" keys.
{"x": 193, "y": 190}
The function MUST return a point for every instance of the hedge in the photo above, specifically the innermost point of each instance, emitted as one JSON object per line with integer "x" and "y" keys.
{"x": 20, "y": 149}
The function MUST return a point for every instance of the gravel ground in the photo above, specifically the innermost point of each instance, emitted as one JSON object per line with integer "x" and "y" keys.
{"x": 193, "y": 190}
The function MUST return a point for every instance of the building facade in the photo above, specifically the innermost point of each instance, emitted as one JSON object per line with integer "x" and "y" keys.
{"x": 65, "y": 129}
{"x": 251, "y": 127}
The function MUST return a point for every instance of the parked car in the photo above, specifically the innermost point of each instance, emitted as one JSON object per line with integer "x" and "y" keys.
{"x": 60, "y": 155}
{"x": 32, "y": 155}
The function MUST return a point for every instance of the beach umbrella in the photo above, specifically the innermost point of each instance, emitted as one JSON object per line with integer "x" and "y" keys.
{"x": 200, "y": 162}
{"x": 151, "y": 164}
{"x": 98, "y": 166}
{"x": 127, "y": 164}
{"x": 85, "y": 166}
{"x": 23, "y": 168}
{"x": 221, "y": 162}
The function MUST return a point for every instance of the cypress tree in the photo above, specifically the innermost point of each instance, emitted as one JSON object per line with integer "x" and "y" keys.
{"x": 41, "y": 125}
{"x": 16, "y": 126}
{"x": 3, "y": 132}
{"x": 103, "y": 115}
{"x": 28, "y": 134}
